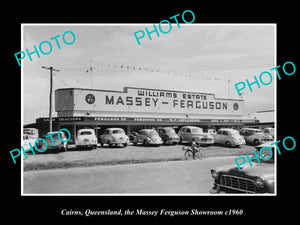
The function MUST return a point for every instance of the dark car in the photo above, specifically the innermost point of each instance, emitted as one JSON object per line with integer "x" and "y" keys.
{"x": 168, "y": 135}
{"x": 256, "y": 179}
{"x": 132, "y": 136}
{"x": 54, "y": 144}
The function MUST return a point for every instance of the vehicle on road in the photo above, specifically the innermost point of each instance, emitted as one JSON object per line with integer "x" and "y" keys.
{"x": 132, "y": 136}
{"x": 252, "y": 136}
{"x": 168, "y": 135}
{"x": 57, "y": 146}
{"x": 193, "y": 152}
{"x": 188, "y": 134}
{"x": 256, "y": 179}
{"x": 86, "y": 138}
{"x": 269, "y": 134}
{"x": 114, "y": 136}
{"x": 228, "y": 137}
{"x": 30, "y": 135}
{"x": 148, "y": 137}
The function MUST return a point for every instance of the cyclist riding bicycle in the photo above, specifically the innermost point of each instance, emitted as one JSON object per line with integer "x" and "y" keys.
{"x": 193, "y": 151}
{"x": 194, "y": 147}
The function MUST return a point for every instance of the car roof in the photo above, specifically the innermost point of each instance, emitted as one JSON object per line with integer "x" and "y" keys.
{"x": 249, "y": 128}
{"x": 226, "y": 129}
{"x": 165, "y": 128}
{"x": 86, "y": 129}
{"x": 147, "y": 130}
{"x": 114, "y": 128}
{"x": 51, "y": 132}
{"x": 267, "y": 144}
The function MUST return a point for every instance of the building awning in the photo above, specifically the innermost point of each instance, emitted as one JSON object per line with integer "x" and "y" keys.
{"x": 148, "y": 120}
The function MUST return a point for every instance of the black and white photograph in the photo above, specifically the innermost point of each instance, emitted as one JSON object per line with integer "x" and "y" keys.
{"x": 174, "y": 115}
{"x": 134, "y": 114}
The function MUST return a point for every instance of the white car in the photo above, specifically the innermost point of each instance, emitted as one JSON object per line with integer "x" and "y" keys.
{"x": 228, "y": 137}
{"x": 114, "y": 136}
{"x": 86, "y": 138}
{"x": 252, "y": 135}
{"x": 269, "y": 133}
{"x": 30, "y": 135}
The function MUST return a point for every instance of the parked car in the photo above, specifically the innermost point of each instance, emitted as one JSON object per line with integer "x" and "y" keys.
{"x": 86, "y": 138}
{"x": 114, "y": 136}
{"x": 168, "y": 135}
{"x": 51, "y": 147}
{"x": 269, "y": 134}
{"x": 228, "y": 137}
{"x": 132, "y": 136}
{"x": 30, "y": 135}
{"x": 252, "y": 135}
{"x": 256, "y": 179}
{"x": 190, "y": 133}
{"x": 148, "y": 137}
{"x": 211, "y": 131}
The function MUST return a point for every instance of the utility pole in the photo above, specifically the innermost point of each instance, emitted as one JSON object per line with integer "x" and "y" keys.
{"x": 50, "y": 97}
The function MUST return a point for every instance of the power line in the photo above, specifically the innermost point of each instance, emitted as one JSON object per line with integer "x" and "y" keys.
{"x": 62, "y": 81}
{"x": 110, "y": 67}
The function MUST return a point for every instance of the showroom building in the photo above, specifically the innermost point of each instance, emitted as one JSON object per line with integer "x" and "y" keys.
{"x": 136, "y": 108}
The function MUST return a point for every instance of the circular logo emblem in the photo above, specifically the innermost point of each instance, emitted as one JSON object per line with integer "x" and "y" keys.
{"x": 89, "y": 98}
{"x": 235, "y": 106}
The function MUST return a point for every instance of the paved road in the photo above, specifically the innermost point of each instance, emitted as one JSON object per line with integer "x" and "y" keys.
{"x": 174, "y": 177}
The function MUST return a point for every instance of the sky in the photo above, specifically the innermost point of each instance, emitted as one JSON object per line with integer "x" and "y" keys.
{"x": 204, "y": 58}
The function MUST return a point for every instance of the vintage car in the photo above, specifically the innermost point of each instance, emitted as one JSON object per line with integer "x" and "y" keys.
{"x": 30, "y": 135}
{"x": 132, "y": 136}
{"x": 86, "y": 138}
{"x": 114, "y": 136}
{"x": 148, "y": 137}
{"x": 168, "y": 135}
{"x": 228, "y": 137}
{"x": 256, "y": 179}
{"x": 252, "y": 136}
{"x": 57, "y": 146}
{"x": 268, "y": 134}
{"x": 188, "y": 134}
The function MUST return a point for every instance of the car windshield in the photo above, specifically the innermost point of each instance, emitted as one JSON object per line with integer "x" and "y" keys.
{"x": 118, "y": 132}
{"x": 170, "y": 131}
{"x": 197, "y": 130}
{"x": 85, "y": 133}
{"x": 153, "y": 132}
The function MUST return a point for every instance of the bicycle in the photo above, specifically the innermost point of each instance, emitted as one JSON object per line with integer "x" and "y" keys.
{"x": 190, "y": 154}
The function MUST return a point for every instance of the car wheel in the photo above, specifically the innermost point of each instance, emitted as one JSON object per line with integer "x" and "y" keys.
{"x": 146, "y": 142}
{"x": 256, "y": 142}
{"x": 180, "y": 140}
{"x": 125, "y": 145}
{"x": 109, "y": 144}
{"x": 228, "y": 144}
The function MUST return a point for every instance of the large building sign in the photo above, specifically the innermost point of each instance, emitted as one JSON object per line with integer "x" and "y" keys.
{"x": 144, "y": 101}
